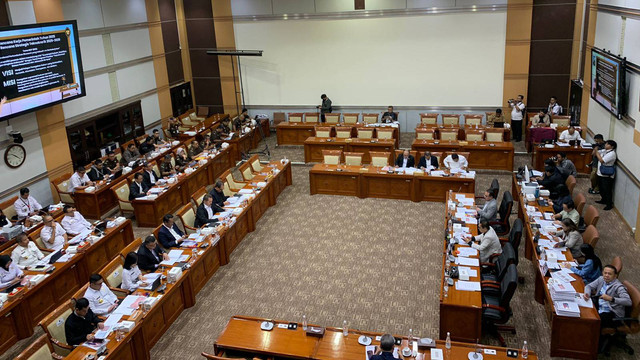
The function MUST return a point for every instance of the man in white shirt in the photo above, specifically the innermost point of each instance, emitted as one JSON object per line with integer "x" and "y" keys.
{"x": 554, "y": 108}
{"x": 26, "y": 205}
{"x": 517, "y": 114}
{"x": 53, "y": 235}
{"x": 606, "y": 157}
{"x": 569, "y": 134}
{"x": 73, "y": 222}
{"x": 487, "y": 242}
{"x": 79, "y": 180}
{"x": 26, "y": 253}
{"x": 455, "y": 161}
{"x": 101, "y": 299}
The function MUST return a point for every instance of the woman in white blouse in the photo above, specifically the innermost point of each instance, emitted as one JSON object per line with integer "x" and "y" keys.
{"x": 10, "y": 274}
{"x": 131, "y": 276}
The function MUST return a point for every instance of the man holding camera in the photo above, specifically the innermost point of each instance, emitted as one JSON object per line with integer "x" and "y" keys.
{"x": 517, "y": 114}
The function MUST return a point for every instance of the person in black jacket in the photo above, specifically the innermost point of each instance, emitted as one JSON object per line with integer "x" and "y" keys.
{"x": 405, "y": 160}
{"x": 551, "y": 179}
{"x": 204, "y": 214}
{"x": 98, "y": 171}
{"x": 149, "y": 177}
{"x": 427, "y": 158}
{"x": 169, "y": 234}
{"x": 81, "y": 323}
{"x": 147, "y": 146}
{"x": 138, "y": 188}
{"x": 218, "y": 195}
{"x": 150, "y": 254}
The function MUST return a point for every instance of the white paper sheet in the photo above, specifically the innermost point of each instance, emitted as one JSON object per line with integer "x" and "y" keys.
{"x": 467, "y": 285}
{"x": 467, "y": 261}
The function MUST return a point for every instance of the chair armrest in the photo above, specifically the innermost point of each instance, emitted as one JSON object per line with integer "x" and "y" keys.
{"x": 493, "y": 265}
{"x": 62, "y": 345}
{"x": 56, "y": 356}
{"x": 120, "y": 292}
{"x": 626, "y": 319}
{"x": 489, "y": 306}
{"x": 493, "y": 256}
{"x": 493, "y": 286}
{"x": 489, "y": 283}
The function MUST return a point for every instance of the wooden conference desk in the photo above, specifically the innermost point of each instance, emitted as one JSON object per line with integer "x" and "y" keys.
{"x": 371, "y": 181}
{"x": 243, "y": 334}
{"x": 483, "y": 154}
{"x": 20, "y": 315}
{"x": 292, "y": 133}
{"x": 462, "y": 130}
{"x": 570, "y": 337}
{"x": 460, "y": 311}
{"x": 313, "y": 147}
{"x": 149, "y": 213}
{"x": 580, "y": 156}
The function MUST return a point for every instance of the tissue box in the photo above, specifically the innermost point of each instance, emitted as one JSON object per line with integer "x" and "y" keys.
{"x": 36, "y": 218}
{"x": 463, "y": 274}
{"x": 126, "y": 326}
{"x": 188, "y": 170}
{"x": 552, "y": 258}
{"x": 175, "y": 143}
{"x": 4, "y": 297}
{"x": 119, "y": 220}
{"x": 148, "y": 303}
{"x": 237, "y": 211}
{"x": 90, "y": 189}
{"x": 36, "y": 279}
{"x": 72, "y": 250}
{"x": 174, "y": 274}
{"x": 224, "y": 145}
{"x": 126, "y": 170}
{"x": 207, "y": 231}
{"x": 531, "y": 197}
{"x": 545, "y": 193}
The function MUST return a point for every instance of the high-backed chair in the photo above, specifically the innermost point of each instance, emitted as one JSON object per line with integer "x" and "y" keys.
{"x": 353, "y": 158}
{"x": 384, "y": 133}
{"x": 379, "y": 158}
{"x": 121, "y": 191}
{"x": 617, "y": 263}
{"x": 494, "y": 135}
{"x": 429, "y": 119}
{"x": 255, "y": 163}
{"x": 187, "y": 216}
{"x": 246, "y": 171}
{"x": 233, "y": 184}
{"x": 365, "y": 133}
{"x": 591, "y": 216}
{"x": 331, "y": 157}
{"x": 474, "y": 135}
{"x": 350, "y": 118}
{"x": 496, "y": 310}
{"x": 41, "y": 349}
{"x": 226, "y": 189}
{"x": 343, "y": 132}
{"x": 451, "y": 135}
{"x": 311, "y": 117}
{"x": 112, "y": 275}
{"x": 51, "y": 324}
{"x": 571, "y": 183}
{"x": 437, "y": 154}
{"x": 502, "y": 226}
{"x": 323, "y": 131}
{"x": 561, "y": 120}
{"x": 413, "y": 153}
{"x": 61, "y": 186}
{"x": 515, "y": 236}
{"x": 425, "y": 134}
{"x": 8, "y": 209}
{"x": 196, "y": 198}
{"x": 369, "y": 118}
{"x": 450, "y": 119}
{"x": 332, "y": 118}
{"x": 295, "y": 117}
{"x": 579, "y": 200}
{"x": 494, "y": 272}
{"x": 133, "y": 247}
{"x": 473, "y": 120}
{"x": 591, "y": 236}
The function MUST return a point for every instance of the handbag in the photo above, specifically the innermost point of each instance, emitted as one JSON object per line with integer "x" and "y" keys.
{"x": 607, "y": 170}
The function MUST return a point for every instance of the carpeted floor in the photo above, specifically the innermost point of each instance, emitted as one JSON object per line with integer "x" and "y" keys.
{"x": 372, "y": 262}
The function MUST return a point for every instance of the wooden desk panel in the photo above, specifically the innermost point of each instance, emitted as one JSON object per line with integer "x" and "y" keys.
{"x": 294, "y": 133}
{"x": 432, "y": 188}
{"x": 100, "y": 253}
{"x": 313, "y": 147}
{"x": 323, "y": 179}
{"x": 579, "y": 156}
{"x": 381, "y": 185}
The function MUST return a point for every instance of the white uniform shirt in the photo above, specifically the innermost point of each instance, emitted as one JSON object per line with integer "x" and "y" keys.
{"x": 130, "y": 278}
{"x": 516, "y": 115}
{"x": 25, "y": 207}
{"x": 461, "y": 163}
{"x": 609, "y": 157}
{"x": 77, "y": 181}
{"x": 28, "y": 256}
{"x": 566, "y": 137}
{"x": 75, "y": 224}
{"x": 100, "y": 300}
{"x": 47, "y": 233}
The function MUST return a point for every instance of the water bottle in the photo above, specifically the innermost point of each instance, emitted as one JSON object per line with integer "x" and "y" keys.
{"x": 304, "y": 322}
{"x": 543, "y": 255}
{"x": 525, "y": 350}
{"x": 410, "y": 338}
{"x": 345, "y": 328}
{"x": 447, "y": 343}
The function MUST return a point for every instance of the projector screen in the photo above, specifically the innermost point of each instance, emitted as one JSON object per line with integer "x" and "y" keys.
{"x": 431, "y": 60}
{"x": 40, "y": 66}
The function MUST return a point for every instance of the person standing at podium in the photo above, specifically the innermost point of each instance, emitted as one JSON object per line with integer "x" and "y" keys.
{"x": 325, "y": 107}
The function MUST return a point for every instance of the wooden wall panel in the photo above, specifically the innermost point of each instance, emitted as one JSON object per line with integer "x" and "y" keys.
{"x": 517, "y": 50}
{"x": 171, "y": 41}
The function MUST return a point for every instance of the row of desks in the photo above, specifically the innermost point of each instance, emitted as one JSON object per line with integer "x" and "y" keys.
{"x": 150, "y": 326}
{"x": 463, "y": 129}
{"x": 580, "y": 157}
{"x": 313, "y": 147}
{"x": 243, "y": 334}
{"x": 483, "y": 154}
{"x": 372, "y": 181}
{"x": 570, "y": 337}
{"x": 293, "y": 133}
{"x": 21, "y": 314}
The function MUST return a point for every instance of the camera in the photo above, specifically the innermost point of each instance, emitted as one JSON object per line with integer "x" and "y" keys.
{"x": 17, "y": 137}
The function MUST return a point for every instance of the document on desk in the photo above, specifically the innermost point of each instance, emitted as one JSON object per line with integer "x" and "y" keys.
{"x": 174, "y": 257}
{"x": 467, "y": 251}
{"x": 245, "y": 191}
{"x": 128, "y": 305}
{"x": 582, "y": 302}
{"x": 109, "y": 324}
{"x": 437, "y": 173}
{"x": 461, "y": 260}
{"x": 468, "y": 285}
{"x": 78, "y": 238}
{"x": 149, "y": 279}
{"x": 472, "y": 272}
{"x": 471, "y": 220}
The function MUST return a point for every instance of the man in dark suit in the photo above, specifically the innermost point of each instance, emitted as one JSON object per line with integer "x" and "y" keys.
{"x": 138, "y": 188}
{"x": 98, "y": 171}
{"x": 169, "y": 234}
{"x": 147, "y": 146}
{"x": 428, "y": 159}
{"x": 405, "y": 160}
{"x": 150, "y": 255}
{"x": 218, "y": 195}
{"x": 205, "y": 212}
{"x": 149, "y": 177}
{"x": 81, "y": 323}
{"x": 551, "y": 179}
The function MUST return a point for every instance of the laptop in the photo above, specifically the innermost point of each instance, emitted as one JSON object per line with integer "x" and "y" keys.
{"x": 116, "y": 174}
{"x": 498, "y": 124}
{"x": 156, "y": 283}
{"x": 55, "y": 256}
{"x": 101, "y": 227}
{"x": 10, "y": 288}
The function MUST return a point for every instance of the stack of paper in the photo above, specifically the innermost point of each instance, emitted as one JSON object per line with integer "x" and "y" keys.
{"x": 467, "y": 251}
{"x": 562, "y": 291}
{"x": 461, "y": 260}
{"x": 567, "y": 308}
{"x": 467, "y": 285}
{"x": 563, "y": 276}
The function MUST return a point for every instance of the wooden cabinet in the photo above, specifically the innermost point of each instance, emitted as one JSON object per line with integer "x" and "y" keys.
{"x": 115, "y": 126}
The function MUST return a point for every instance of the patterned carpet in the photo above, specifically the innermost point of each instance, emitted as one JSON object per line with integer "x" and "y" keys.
{"x": 372, "y": 262}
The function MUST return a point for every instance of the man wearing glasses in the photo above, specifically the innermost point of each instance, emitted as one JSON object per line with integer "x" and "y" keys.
{"x": 53, "y": 235}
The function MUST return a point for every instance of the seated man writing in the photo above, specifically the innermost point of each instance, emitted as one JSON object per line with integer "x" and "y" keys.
{"x": 455, "y": 161}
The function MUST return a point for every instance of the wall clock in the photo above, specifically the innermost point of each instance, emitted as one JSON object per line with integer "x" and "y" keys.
{"x": 15, "y": 155}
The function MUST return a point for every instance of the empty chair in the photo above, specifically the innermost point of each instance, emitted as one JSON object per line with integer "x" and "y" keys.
{"x": 591, "y": 236}
{"x": 133, "y": 247}
{"x": 311, "y": 117}
{"x": 494, "y": 135}
{"x": 365, "y": 133}
{"x": 233, "y": 184}
{"x": 515, "y": 236}
{"x": 473, "y": 120}
{"x": 369, "y": 118}
{"x": 331, "y": 157}
{"x": 332, "y": 118}
{"x": 351, "y": 118}
{"x": 343, "y": 132}
{"x": 591, "y": 216}
{"x": 121, "y": 191}
{"x": 579, "y": 200}
{"x": 496, "y": 309}
{"x": 425, "y": 134}
{"x": 51, "y": 325}
{"x": 196, "y": 198}
{"x": 188, "y": 217}
{"x": 617, "y": 263}
{"x": 383, "y": 133}
{"x": 429, "y": 119}
{"x": 246, "y": 171}
{"x": 474, "y": 135}
{"x": 450, "y": 119}
{"x": 41, "y": 349}
{"x": 449, "y": 135}
{"x": 379, "y": 158}
{"x": 493, "y": 273}
{"x": 353, "y": 158}
{"x": 61, "y": 185}
{"x": 571, "y": 183}
{"x": 255, "y": 163}
{"x": 502, "y": 226}
{"x": 323, "y": 131}
{"x": 561, "y": 120}
{"x": 295, "y": 117}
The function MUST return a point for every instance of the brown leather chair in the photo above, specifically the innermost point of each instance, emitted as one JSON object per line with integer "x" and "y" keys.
{"x": 331, "y": 157}
{"x": 332, "y": 118}
{"x": 379, "y": 158}
{"x": 591, "y": 216}
{"x": 451, "y": 119}
{"x": 353, "y": 158}
{"x": 630, "y": 323}
{"x": 617, "y": 263}
{"x": 571, "y": 184}
{"x": 413, "y": 153}
{"x": 323, "y": 131}
{"x": 448, "y": 134}
{"x": 369, "y": 118}
{"x": 472, "y": 120}
{"x": 474, "y": 135}
{"x": 311, "y": 117}
{"x": 350, "y": 118}
{"x": 579, "y": 200}
{"x": 295, "y": 117}
{"x": 425, "y": 133}
{"x": 494, "y": 135}
{"x": 591, "y": 236}
{"x": 41, "y": 349}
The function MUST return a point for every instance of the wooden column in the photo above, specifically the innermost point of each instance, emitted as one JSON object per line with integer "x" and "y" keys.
{"x": 225, "y": 39}
{"x": 159, "y": 61}
{"x": 517, "y": 49}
